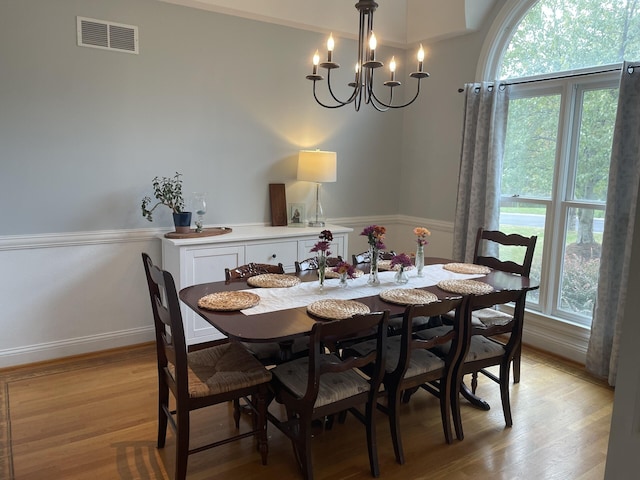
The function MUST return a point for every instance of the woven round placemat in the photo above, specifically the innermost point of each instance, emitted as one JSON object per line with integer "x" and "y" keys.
{"x": 408, "y": 296}
{"x": 465, "y": 287}
{"x": 470, "y": 268}
{"x": 386, "y": 265}
{"x": 273, "y": 280}
{"x": 332, "y": 274}
{"x": 228, "y": 301}
{"x": 333, "y": 309}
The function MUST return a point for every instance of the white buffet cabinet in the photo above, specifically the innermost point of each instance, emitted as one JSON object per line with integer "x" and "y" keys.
{"x": 203, "y": 259}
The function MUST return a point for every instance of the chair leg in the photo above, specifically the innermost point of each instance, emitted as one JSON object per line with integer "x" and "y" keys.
{"x": 372, "y": 444}
{"x": 406, "y": 395}
{"x": 163, "y": 408}
{"x": 516, "y": 365}
{"x": 261, "y": 424}
{"x": 504, "y": 392}
{"x": 474, "y": 382}
{"x": 445, "y": 410}
{"x": 455, "y": 407}
{"x": 393, "y": 410}
{"x": 182, "y": 443}
{"x": 236, "y": 412}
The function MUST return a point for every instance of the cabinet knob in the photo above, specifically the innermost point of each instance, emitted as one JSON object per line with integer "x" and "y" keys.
{"x": 273, "y": 256}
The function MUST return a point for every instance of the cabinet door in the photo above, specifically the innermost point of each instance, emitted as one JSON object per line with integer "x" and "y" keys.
{"x": 274, "y": 253}
{"x": 202, "y": 265}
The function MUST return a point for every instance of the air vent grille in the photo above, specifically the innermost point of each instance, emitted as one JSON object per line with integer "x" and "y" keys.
{"x": 107, "y": 35}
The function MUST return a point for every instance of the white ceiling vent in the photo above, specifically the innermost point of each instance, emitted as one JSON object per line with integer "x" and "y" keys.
{"x": 107, "y": 35}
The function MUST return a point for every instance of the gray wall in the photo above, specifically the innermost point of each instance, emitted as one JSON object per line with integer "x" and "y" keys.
{"x": 221, "y": 99}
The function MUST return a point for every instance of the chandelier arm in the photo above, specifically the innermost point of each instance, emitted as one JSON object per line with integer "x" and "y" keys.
{"x": 348, "y": 101}
{"x": 380, "y": 102}
{"x": 324, "y": 104}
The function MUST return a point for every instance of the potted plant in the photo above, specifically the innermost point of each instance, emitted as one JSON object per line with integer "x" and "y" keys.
{"x": 168, "y": 192}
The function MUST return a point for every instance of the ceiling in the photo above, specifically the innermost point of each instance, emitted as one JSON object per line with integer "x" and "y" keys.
{"x": 398, "y": 23}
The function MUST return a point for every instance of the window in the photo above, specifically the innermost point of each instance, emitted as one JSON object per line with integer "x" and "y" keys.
{"x": 562, "y": 62}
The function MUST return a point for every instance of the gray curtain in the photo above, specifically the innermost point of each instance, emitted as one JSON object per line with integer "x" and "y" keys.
{"x": 485, "y": 122}
{"x": 624, "y": 178}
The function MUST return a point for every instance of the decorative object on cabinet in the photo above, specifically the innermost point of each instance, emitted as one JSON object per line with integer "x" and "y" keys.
{"x": 168, "y": 192}
{"x": 366, "y": 64}
{"x": 319, "y": 167}
{"x": 278, "y": 199}
{"x": 297, "y": 215}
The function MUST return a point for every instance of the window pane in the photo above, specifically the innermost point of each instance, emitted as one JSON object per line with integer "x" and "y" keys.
{"x": 526, "y": 219}
{"x": 563, "y": 35}
{"x": 530, "y": 147}
{"x": 581, "y": 261}
{"x": 594, "y": 150}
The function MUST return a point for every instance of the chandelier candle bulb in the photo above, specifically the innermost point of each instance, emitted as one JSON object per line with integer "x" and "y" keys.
{"x": 330, "y": 46}
{"x": 420, "y": 58}
{"x": 373, "y": 43}
{"x": 392, "y": 68}
{"x": 316, "y": 60}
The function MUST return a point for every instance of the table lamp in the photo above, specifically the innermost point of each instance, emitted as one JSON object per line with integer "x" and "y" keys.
{"x": 319, "y": 167}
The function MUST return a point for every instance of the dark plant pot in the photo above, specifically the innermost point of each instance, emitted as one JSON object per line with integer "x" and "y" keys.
{"x": 182, "y": 222}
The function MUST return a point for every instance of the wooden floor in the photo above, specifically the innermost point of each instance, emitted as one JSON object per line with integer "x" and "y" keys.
{"x": 95, "y": 418}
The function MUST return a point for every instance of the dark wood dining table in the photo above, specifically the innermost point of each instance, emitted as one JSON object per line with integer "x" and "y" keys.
{"x": 284, "y": 325}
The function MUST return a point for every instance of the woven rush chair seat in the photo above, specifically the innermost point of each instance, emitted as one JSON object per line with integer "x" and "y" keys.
{"x": 221, "y": 369}
{"x": 480, "y": 348}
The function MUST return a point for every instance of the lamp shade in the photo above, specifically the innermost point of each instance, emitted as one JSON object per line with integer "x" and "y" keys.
{"x": 317, "y": 166}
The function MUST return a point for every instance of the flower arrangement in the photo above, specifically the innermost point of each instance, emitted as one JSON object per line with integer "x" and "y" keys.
{"x": 375, "y": 236}
{"x": 344, "y": 267}
{"x": 422, "y": 234}
{"x": 322, "y": 247}
{"x": 401, "y": 259}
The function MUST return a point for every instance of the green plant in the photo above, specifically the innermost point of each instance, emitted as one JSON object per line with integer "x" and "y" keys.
{"x": 168, "y": 191}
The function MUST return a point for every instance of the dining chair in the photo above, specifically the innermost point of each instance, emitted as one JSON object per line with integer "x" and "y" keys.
{"x": 514, "y": 244}
{"x": 202, "y": 378}
{"x": 243, "y": 272}
{"x": 324, "y": 384}
{"x": 484, "y": 349}
{"x": 312, "y": 263}
{"x": 365, "y": 257}
{"x": 269, "y": 353}
{"x": 410, "y": 364}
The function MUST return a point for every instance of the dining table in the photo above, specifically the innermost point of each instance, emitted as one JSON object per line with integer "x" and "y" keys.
{"x": 282, "y": 316}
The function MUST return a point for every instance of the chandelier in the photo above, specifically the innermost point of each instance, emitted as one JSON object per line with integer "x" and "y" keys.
{"x": 365, "y": 68}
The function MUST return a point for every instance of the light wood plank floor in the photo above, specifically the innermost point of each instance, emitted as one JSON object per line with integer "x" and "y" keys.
{"x": 94, "y": 417}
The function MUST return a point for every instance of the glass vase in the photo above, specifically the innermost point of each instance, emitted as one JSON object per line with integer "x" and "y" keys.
{"x": 401, "y": 276}
{"x": 420, "y": 260}
{"x": 343, "y": 280}
{"x": 373, "y": 270}
{"x": 322, "y": 268}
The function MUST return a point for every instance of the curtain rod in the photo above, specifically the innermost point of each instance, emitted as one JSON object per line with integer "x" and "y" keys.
{"x": 630, "y": 69}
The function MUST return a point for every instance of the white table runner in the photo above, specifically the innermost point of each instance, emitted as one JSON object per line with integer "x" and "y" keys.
{"x": 274, "y": 299}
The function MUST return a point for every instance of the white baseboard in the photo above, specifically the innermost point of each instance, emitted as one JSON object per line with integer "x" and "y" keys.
{"x": 74, "y": 346}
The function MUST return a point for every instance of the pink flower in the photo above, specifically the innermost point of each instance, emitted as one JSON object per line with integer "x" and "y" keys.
{"x": 401, "y": 259}
{"x": 325, "y": 242}
{"x": 344, "y": 267}
{"x": 375, "y": 236}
